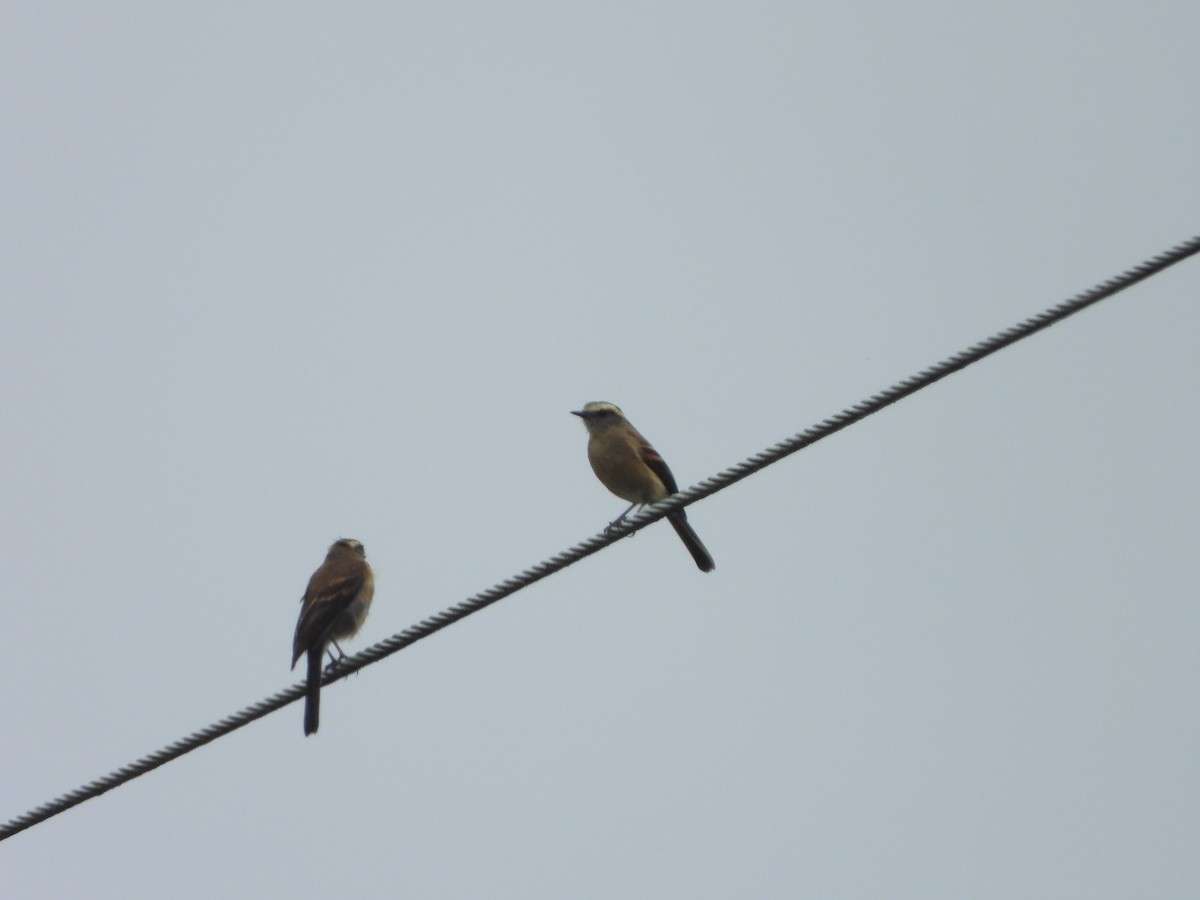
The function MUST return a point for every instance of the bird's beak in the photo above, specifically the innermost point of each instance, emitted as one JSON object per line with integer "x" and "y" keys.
{"x": 577, "y": 412}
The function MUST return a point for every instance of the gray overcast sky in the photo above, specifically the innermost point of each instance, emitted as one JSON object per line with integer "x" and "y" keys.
{"x": 276, "y": 274}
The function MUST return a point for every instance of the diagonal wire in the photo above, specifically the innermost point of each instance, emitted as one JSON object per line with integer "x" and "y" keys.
{"x": 640, "y": 520}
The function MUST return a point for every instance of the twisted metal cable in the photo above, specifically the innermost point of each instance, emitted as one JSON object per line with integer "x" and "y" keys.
{"x": 636, "y": 522}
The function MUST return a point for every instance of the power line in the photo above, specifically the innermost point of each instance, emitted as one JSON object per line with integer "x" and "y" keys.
{"x": 634, "y": 523}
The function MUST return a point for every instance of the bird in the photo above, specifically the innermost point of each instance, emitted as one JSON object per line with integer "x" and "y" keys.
{"x": 334, "y": 605}
{"x": 627, "y": 464}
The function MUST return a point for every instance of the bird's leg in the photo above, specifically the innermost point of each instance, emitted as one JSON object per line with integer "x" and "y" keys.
{"x": 334, "y": 663}
{"x": 611, "y": 526}
{"x": 334, "y": 660}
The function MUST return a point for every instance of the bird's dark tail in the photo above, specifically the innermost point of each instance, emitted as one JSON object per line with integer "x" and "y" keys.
{"x": 312, "y": 700}
{"x": 692, "y": 541}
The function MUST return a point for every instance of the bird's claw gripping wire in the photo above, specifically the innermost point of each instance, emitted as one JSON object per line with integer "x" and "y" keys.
{"x": 618, "y": 521}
